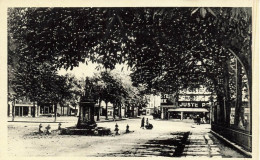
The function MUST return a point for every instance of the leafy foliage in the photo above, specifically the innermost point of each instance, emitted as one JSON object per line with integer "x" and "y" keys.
{"x": 167, "y": 48}
{"x": 154, "y": 39}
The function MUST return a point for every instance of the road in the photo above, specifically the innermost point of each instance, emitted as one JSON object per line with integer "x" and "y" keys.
{"x": 163, "y": 140}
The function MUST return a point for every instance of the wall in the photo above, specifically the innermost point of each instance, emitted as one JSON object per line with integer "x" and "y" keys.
{"x": 239, "y": 137}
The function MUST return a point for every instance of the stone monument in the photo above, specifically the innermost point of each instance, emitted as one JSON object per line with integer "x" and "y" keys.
{"x": 87, "y": 106}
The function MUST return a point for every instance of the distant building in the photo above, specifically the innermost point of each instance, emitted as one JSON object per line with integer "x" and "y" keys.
{"x": 23, "y": 108}
{"x": 187, "y": 104}
{"x": 153, "y": 104}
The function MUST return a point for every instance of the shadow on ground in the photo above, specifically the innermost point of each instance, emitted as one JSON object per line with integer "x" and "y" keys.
{"x": 167, "y": 146}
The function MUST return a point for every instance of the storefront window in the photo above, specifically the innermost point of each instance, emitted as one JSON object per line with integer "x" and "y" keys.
{"x": 25, "y": 111}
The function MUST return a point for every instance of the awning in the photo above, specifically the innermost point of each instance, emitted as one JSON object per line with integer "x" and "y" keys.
{"x": 188, "y": 110}
{"x": 168, "y": 106}
{"x": 24, "y": 105}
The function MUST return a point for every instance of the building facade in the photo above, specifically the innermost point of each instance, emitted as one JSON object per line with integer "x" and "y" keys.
{"x": 25, "y": 108}
{"x": 153, "y": 104}
{"x": 187, "y": 104}
{"x": 22, "y": 108}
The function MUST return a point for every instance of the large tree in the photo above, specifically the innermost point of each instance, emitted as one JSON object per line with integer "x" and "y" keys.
{"x": 107, "y": 35}
{"x": 157, "y": 43}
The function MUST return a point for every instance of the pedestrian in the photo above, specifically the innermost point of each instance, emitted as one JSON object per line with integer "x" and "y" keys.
{"x": 198, "y": 119}
{"x": 147, "y": 122}
{"x": 142, "y": 123}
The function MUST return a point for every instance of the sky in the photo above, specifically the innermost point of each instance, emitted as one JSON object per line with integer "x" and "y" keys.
{"x": 88, "y": 70}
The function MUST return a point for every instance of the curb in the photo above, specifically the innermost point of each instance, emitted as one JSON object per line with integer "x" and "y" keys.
{"x": 239, "y": 148}
{"x": 35, "y": 122}
{"x": 111, "y": 120}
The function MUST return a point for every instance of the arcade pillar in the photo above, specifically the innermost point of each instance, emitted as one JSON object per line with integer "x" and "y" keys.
{"x": 181, "y": 115}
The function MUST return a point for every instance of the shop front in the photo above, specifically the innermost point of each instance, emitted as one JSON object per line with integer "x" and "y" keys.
{"x": 188, "y": 113}
{"x": 22, "y": 109}
{"x": 25, "y": 110}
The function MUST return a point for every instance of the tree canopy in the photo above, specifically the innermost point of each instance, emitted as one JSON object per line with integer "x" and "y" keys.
{"x": 166, "y": 48}
{"x": 151, "y": 40}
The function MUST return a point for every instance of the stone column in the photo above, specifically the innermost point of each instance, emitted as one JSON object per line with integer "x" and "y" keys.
{"x": 13, "y": 109}
{"x": 162, "y": 113}
{"x": 10, "y": 109}
{"x": 68, "y": 110}
{"x": 82, "y": 113}
{"x": 36, "y": 111}
{"x": 29, "y": 111}
{"x": 22, "y": 111}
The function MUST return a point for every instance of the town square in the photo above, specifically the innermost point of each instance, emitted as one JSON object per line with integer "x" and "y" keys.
{"x": 130, "y": 82}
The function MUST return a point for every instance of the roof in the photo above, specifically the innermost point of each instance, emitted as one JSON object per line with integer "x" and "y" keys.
{"x": 188, "y": 110}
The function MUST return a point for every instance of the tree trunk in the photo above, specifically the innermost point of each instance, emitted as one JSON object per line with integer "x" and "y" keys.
{"x": 227, "y": 94}
{"x": 55, "y": 112}
{"x": 13, "y": 110}
{"x": 114, "y": 109}
{"x": 68, "y": 110}
{"x": 34, "y": 109}
{"x": 78, "y": 124}
{"x": 98, "y": 114}
{"x": 119, "y": 110}
{"x": 220, "y": 115}
{"x": 125, "y": 109}
{"x": 138, "y": 110}
{"x": 106, "y": 110}
{"x": 238, "y": 95}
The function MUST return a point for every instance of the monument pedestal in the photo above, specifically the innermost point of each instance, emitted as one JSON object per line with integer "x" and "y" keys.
{"x": 86, "y": 115}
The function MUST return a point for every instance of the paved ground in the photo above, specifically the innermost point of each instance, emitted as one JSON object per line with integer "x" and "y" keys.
{"x": 167, "y": 138}
{"x": 200, "y": 144}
